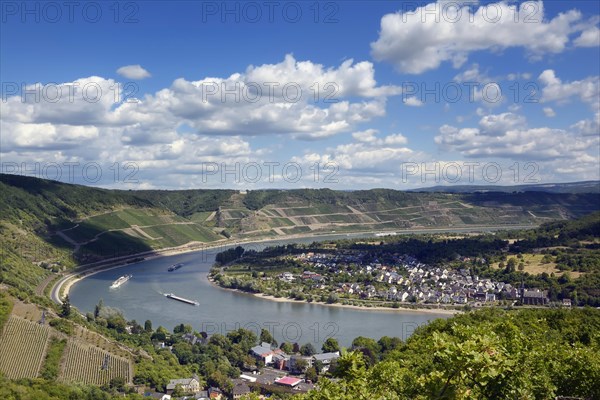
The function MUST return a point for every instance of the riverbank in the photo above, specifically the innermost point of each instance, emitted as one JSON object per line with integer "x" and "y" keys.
{"x": 64, "y": 284}
{"x": 419, "y": 310}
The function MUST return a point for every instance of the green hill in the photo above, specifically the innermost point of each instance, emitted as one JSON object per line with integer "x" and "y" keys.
{"x": 48, "y": 226}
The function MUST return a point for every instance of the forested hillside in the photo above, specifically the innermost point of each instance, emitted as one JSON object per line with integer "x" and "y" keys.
{"x": 48, "y": 226}
{"x": 492, "y": 354}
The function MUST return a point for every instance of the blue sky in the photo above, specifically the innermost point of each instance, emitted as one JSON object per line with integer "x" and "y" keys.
{"x": 527, "y": 74}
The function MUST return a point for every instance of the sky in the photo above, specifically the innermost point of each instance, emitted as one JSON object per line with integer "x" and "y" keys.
{"x": 300, "y": 94}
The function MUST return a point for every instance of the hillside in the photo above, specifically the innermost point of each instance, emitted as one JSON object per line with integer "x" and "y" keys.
{"x": 572, "y": 187}
{"x": 37, "y": 343}
{"x": 48, "y": 226}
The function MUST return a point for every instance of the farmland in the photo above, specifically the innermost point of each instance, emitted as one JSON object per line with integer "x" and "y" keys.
{"x": 90, "y": 365}
{"x": 22, "y": 348}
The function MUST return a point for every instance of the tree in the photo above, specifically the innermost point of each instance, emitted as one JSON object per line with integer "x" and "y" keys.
{"x": 148, "y": 326}
{"x": 332, "y": 298}
{"x": 511, "y": 264}
{"x": 117, "y": 383}
{"x": 311, "y": 374}
{"x": 178, "y": 391}
{"x": 66, "y": 307}
{"x": 265, "y": 336}
{"x": 521, "y": 266}
{"x": 98, "y": 308}
{"x": 331, "y": 345}
{"x": 308, "y": 350}
{"x": 287, "y": 348}
{"x": 295, "y": 348}
{"x": 300, "y": 365}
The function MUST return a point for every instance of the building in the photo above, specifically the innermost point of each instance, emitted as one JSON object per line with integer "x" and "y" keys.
{"x": 566, "y": 302}
{"x": 240, "y": 390}
{"x": 190, "y": 385}
{"x": 281, "y": 360}
{"x": 535, "y": 297}
{"x": 293, "y": 364}
{"x": 326, "y": 358}
{"x": 288, "y": 381}
{"x": 215, "y": 393}
{"x": 201, "y": 395}
{"x": 263, "y": 352}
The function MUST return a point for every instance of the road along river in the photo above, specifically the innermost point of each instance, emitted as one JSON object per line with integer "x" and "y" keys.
{"x": 220, "y": 310}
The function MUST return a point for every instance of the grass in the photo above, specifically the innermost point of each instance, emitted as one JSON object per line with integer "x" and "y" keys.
{"x": 6, "y": 306}
{"x": 51, "y": 367}
{"x": 535, "y": 266}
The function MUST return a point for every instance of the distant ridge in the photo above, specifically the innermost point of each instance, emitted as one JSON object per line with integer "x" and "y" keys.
{"x": 570, "y": 187}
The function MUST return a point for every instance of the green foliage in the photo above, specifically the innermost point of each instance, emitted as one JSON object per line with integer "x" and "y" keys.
{"x": 330, "y": 345}
{"x": 6, "y": 306}
{"x": 65, "y": 310}
{"x": 489, "y": 354}
{"x": 51, "y": 366}
{"x": 308, "y": 349}
{"x": 62, "y": 325}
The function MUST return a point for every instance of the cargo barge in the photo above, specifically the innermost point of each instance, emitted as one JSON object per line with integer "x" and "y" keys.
{"x": 183, "y": 300}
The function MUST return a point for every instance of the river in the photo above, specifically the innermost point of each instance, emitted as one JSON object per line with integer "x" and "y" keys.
{"x": 221, "y": 311}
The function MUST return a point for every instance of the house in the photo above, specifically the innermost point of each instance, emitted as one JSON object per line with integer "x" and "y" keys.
{"x": 159, "y": 396}
{"x": 280, "y": 360}
{"x": 294, "y": 360}
{"x": 201, "y": 395}
{"x": 191, "y": 338}
{"x": 190, "y": 385}
{"x": 215, "y": 393}
{"x": 263, "y": 352}
{"x": 288, "y": 381}
{"x": 240, "y": 390}
{"x": 287, "y": 276}
{"x": 566, "y": 302}
{"x": 490, "y": 297}
{"x": 326, "y": 358}
{"x": 535, "y": 297}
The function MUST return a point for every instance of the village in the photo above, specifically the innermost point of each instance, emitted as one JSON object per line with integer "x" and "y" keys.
{"x": 405, "y": 280}
{"x": 274, "y": 371}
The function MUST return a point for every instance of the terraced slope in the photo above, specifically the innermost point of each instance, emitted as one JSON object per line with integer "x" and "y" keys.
{"x": 48, "y": 227}
{"x": 22, "y": 348}
{"x": 86, "y": 364}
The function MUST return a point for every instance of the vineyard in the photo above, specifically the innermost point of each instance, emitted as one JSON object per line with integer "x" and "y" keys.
{"x": 22, "y": 348}
{"x": 91, "y": 365}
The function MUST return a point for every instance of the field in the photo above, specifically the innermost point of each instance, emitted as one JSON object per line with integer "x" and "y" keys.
{"x": 90, "y": 365}
{"x": 22, "y": 348}
{"x": 535, "y": 266}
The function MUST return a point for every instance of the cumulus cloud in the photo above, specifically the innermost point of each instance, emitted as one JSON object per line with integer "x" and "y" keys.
{"x": 413, "y": 102}
{"x": 369, "y": 152}
{"x": 415, "y": 41}
{"x": 554, "y": 89}
{"x": 176, "y": 128}
{"x": 133, "y": 72}
{"x": 508, "y": 136}
{"x": 549, "y": 112}
{"x": 588, "y": 38}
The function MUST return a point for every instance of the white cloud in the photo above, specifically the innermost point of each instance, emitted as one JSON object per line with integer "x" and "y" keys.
{"x": 420, "y": 40}
{"x": 553, "y": 89}
{"x": 549, "y": 112}
{"x": 588, "y": 38}
{"x": 413, "y": 102}
{"x": 133, "y": 72}
{"x": 368, "y": 153}
{"x": 169, "y": 133}
{"x": 473, "y": 75}
{"x": 507, "y": 136}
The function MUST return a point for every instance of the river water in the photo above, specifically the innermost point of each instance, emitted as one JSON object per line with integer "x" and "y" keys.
{"x": 221, "y": 311}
